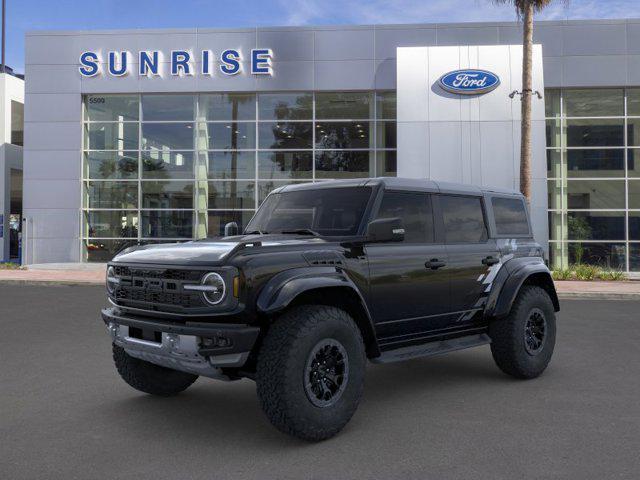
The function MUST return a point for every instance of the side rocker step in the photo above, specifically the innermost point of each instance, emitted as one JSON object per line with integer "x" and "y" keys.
{"x": 432, "y": 348}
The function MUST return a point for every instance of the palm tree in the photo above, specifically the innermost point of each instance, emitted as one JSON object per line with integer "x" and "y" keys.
{"x": 525, "y": 10}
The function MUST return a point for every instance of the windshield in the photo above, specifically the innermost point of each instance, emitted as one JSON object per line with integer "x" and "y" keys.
{"x": 333, "y": 212}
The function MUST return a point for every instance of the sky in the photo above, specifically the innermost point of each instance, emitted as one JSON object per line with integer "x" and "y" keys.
{"x": 26, "y": 15}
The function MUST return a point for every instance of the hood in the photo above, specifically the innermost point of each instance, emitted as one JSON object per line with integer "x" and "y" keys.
{"x": 207, "y": 252}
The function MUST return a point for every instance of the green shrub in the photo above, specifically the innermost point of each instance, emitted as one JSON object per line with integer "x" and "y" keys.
{"x": 9, "y": 266}
{"x": 587, "y": 272}
{"x": 612, "y": 275}
{"x": 562, "y": 274}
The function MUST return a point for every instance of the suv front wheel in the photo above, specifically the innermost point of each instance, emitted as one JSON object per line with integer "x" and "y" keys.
{"x": 310, "y": 372}
{"x": 522, "y": 343}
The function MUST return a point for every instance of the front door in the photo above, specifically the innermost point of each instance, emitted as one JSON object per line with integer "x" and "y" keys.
{"x": 471, "y": 255}
{"x": 409, "y": 280}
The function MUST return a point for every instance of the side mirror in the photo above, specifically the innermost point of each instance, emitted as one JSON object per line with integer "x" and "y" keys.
{"x": 231, "y": 229}
{"x": 385, "y": 230}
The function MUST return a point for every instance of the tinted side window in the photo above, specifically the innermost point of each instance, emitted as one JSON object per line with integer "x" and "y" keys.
{"x": 463, "y": 219}
{"x": 510, "y": 215}
{"x": 414, "y": 209}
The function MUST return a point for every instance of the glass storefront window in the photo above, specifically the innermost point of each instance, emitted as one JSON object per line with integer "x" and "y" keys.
{"x": 611, "y": 256}
{"x": 633, "y": 162}
{"x": 111, "y": 108}
{"x": 386, "y": 105}
{"x": 634, "y": 194}
{"x": 283, "y": 165}
{"x": 343, "y": 164}
{"x": 600, "y": 102}
{"x": 634, "y": 225}
{"x": 173, "y": 107}
{"x": 104, "y": 250}
{"x": 285, "y": 135}
{"x": 343, "y": 135}
{"x": 595, "y": 163}
{"x": 231, "y": 195}
{"x": 167, "y": 164}
{"x": 167, "y": 195}
{"x": 122, "y": 195}
{"x": 167, "y": 136}
{"x": 603, "y": 132}
{"x": 554, "y": 163}
{"x": 218, "y": 219}
{"x": 111, "y": 165}
{"x": 167, "y": 224}
{"x": 264, "y": 188}
{"x": 111, "y": 136}
{"x": 344, "y": 105}
{"x": 229, "y": 165}
{"x": 227, "y": 106}
{"x": 552, "y": 103}
{"x": 596, "y": 226}
{"x": 555, "y": 194}
{"x": 285, "y": 106}
{"x": 633, "y": 132}
{"x": 111, "y": 224}
{"x": 554, "y": 133}
{"x": 386, "y": 135}
{"x": 387, "y": 163}
{"x": 227, "y": 136}
{"x": 634, "y": 257}
{"x": 633, "y": 102}
{"x": 595, "y": 194}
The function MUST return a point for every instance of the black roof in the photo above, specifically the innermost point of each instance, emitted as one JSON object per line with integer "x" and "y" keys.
{"x": 402, "y": 184}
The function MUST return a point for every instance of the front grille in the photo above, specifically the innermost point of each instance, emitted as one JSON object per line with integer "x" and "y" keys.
{"x": 157, "y": 288}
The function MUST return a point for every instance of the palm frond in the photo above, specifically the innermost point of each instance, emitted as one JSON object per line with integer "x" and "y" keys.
{"x": 519, "y": 5}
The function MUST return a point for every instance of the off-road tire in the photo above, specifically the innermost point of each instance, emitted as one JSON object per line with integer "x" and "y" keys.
{"x": 508, "y": 335}
{"x": 150, "y": 378}
{"x": 281, "y": 373}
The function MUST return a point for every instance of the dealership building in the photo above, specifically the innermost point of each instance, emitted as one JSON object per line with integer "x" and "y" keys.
{"x": 142, "y": 136}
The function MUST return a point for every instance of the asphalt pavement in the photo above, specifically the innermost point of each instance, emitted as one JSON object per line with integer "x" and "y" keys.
{"x": 65, "y": 413}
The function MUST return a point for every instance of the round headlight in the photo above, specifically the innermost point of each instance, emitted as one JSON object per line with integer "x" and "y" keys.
{"x": 111, "y": 280}
{"x": 214, "y": 288}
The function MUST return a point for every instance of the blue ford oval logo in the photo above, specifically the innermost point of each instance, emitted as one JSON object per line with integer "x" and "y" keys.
{"x": 469, "y": 82}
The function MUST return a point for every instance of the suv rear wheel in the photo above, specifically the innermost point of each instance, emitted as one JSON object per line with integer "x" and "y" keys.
{"x": 523, "y": 342}
{"x": 310, "y": 372}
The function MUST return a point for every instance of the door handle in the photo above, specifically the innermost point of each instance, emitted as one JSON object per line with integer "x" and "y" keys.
{"x": 490, "y": 260}
{"x": 434, "y": 264}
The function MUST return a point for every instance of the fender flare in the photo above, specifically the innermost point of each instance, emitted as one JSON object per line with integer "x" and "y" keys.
{"x": 509, "y": 281}
{"x": 281, "y": 290}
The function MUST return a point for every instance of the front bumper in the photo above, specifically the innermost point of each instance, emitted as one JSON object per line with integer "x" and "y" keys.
{"x": 193, "y": 347}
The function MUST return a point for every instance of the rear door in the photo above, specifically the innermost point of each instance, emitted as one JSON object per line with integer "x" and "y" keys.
{"x": 409, "y": 280}
{"x": 471, "y": 254}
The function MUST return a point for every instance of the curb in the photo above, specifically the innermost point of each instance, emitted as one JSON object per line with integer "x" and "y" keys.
{"x": 598, "y": 296}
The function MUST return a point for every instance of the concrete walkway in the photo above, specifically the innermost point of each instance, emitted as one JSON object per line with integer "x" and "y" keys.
{"x": 94, "y": 274}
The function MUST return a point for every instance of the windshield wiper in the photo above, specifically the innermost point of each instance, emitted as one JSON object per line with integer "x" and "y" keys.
{"x": 301, "y": 231}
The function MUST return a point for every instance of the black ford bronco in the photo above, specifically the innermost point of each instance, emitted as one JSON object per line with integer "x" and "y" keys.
{"x": 325, "y": 277}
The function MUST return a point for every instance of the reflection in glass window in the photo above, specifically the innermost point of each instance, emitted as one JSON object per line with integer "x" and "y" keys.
{"x": 386, "y": 105}
{"x": 167, "y": 194}
{"x": 463, "y": 219}
{"x": 633, "y": 132}
{"x": 286, "y": 135}
{"x": 103, "y": 251}
{"x": 633, "y": 102}
{"x": 111, "y": 224}
{"x": 556, "y": 197}
{"x": 554, "y": 163}
{"x": 236, "y": 195}
{"x": 227, "y": 106}
{"x": 552, "y": 103}
{"x": 123, "y": 195}
{"x": 596, "y": 226}
{"x": 227, "y": 136}
{"x": 611, "y": 256}
{"x": 510, "y": 216}
{"x": 595, "y": 194}
{"x": 111, "y": 108}
{"x": 343, "y": 135}
{"x": 283, "y": 165}
{"x": 386, "y": 135}
{"x": 344, "y": 164}
{"x": 167, "y": 136}
{"x": 218, "y": 219}
{"x": 167, "y": 224}
{"x": 347, "y": 105}
{"x": 554, "y": 133}
{"x": 387, "y": 163}
{"x": 600, "y": 102}
{"x": 595, "y": 133}
{"x": 634, "y": 226}
{"x": 230, "y": 164}
{"x": 167, "y": 164}
{"x": 111, "y": 136}
{"x": 168, "y": 107}
{"x": 633, "y": 162}
{"x": 634, "y": 257}
{"x": 111, "y": 165}
{"x": 414, "y": 210}
{"x": 634, "y": 194}
{"x": 595, "y": 163}
{"x": 285, "y": 106}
